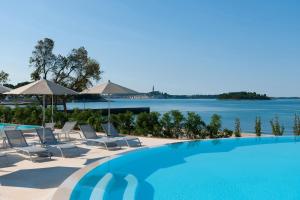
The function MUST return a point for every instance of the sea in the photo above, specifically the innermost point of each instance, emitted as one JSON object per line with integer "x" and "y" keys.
{"x": 229, "y": 110}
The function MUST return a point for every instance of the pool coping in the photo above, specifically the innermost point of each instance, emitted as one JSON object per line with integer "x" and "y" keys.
{"x": 65, "y": 190}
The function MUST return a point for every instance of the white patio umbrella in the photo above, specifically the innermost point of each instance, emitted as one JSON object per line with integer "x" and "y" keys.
{"x": 108, "y": 89}
{"x": 42, "y": 87}
{"x": 4, "y": 89}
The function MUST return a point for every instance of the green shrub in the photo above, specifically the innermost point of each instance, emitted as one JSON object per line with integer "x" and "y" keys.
{"x": 114, "y": 119}
{"x": 258, "y": 126}
{"x": 92, "y": 117}
{"x": 227, "y": 133}
{"x": 166, "y": 124}
{"x": 177, "y": 122}
{"x": 154, "y": 120}
{"x": 296, "y": 127}
{"x": 34, "y": 115}
{"x": 148, "y": 123}
{"x": 277, "y": 129}
{"x": 237, "y": 130}
{"x": 214, "y": 126}
{"x": 194, "y": 126}
{"x": 60, "y": 118}
{"x": 6, "y": 114}
{"x": 125, "y": 122}
{"x": 172, "y": 124}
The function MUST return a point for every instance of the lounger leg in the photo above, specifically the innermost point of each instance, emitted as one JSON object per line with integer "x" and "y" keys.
{"x": 61, "y": 152}
{"x": 105, "y": 146}
{"x": 4, "y": 143}
{"x": 139, "y": 142}
{"x": 30, "y": 157}
{"x": 127, "y": 142}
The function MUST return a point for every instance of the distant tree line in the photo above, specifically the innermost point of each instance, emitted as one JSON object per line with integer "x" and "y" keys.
{"x": 16, "y": 85}
{"x": 243, "y": 96}
{"x": 164, "y": 95}
{"x": 230, "y": 95}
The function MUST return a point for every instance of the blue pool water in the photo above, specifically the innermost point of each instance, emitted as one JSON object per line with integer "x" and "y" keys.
{"x": 247, "y": 168}
{"x": 19, "y": 127}
{"x": 247, "y": 111}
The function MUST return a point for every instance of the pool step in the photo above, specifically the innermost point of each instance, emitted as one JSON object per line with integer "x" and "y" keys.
{"x": 130, "y": 190}
{"x": 115, "y": 186}
{"x": 101, "y": 187}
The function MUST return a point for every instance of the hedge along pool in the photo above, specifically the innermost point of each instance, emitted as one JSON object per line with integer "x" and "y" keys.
{"x": 246, "y": 110}
{"x": 246, "y": 168}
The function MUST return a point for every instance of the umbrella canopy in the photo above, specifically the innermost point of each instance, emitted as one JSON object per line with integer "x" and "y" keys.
{"x": 4, "y": 89}
{"x": 42, "y": 87}
{"x": 109, "y": 88}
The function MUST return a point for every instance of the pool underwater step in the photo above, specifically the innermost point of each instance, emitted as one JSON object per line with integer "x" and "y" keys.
{"x": 132, "y": 184}
{"x": 100, "y": 189}
{"x": 115, "y": 186}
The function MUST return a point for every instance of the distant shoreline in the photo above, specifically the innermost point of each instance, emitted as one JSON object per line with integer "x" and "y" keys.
{"x": 224, "y": 96}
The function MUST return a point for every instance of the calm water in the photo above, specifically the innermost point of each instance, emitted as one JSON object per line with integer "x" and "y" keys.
{"x": 229, "y": 109}
{"x": 19, "y": 127}
{"x": 200, "y": 170}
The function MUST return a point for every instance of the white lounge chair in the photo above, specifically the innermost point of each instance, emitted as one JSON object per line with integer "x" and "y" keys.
{"x": 112, "y": 132}
{"x": 48, "y": 139}
{"x": 50, "y": 125}
{"x": 6, "y": 128}
{"x": 66, "y": 130}
{"x": 91, "y": 137}
{"x": 17, "y": 141}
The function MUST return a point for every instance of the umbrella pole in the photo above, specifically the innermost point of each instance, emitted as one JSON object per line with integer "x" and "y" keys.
{"x": 108, "y": 115}
{"x": 44, "y": 99}
{"x": 52, "y": 110}
{"x": 84, "y": 101}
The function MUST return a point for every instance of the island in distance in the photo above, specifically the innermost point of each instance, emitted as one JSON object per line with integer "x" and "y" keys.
{"x": 243, "y": 96}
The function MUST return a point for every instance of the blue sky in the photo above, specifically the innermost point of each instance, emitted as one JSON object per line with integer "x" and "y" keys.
{"x": 181, "y": 47}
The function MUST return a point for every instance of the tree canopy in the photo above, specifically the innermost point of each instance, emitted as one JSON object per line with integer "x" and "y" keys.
{"x": 42, "y": 59}
{"x": 3, "y": 77}
{"x": 76, "y": 71}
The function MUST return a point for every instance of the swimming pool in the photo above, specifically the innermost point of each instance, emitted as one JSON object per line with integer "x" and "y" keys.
{"x": 19, "y": 126}
{"x": 246, "y": 168}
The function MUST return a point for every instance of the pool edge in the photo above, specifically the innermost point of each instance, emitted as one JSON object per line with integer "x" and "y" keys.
{"x": 64, "y": 190}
